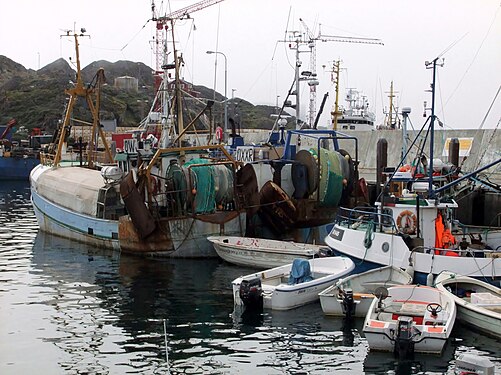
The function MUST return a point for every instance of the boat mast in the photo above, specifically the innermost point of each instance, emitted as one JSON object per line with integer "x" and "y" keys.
{"x": 297, "y": 92}
{"x": 335, "y": 80}
{"x": 432, "y": 65}
{"x": 87, "y": 92}
{"x": 178, "y": 96}
{"x": 390, "y": 114}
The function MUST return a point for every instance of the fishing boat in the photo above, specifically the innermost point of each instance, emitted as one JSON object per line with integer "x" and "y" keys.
{"x": 356, "y": 115}
{"x": 302, "y": 174}
{"x": 289, "y": 286}
{"x": 478, "y": 302}
{"x": 263, "y": 253}
{"x": 409, "y": 318}
{"x": 162, "y": 197}
{"x": 16, "y": 164}
{"x": 353, "y": 295}
{"x": 18, "y": 159}
{"x": 413, "y": 225}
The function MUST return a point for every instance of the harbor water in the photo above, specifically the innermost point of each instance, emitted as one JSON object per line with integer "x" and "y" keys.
{"x": 67, "y": 308}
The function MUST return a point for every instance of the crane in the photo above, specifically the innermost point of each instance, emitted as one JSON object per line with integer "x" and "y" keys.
{"x": 10, "y": 125}
{"x": 311, "y": 41}
{"x": 162, "y": 24}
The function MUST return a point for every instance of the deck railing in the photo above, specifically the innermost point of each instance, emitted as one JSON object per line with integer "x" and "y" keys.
{"x": 361, "y": 217}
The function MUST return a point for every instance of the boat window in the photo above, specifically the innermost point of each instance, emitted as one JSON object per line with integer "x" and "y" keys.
{"x": 386, "y": 218}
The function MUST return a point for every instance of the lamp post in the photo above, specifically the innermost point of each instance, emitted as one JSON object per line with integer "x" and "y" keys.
{"x": 225, "y": 89}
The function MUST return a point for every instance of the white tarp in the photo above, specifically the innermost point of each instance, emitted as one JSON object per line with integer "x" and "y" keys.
{"x": 71, "y": 187}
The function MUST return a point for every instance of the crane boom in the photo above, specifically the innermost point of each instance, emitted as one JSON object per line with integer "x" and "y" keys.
{"x": 184, "y": 12}
{"x": 348, "y": 39}
{"x": 162, "y": 21}
{"x": 10, "y": 125}
{"x": 311, "y": 41}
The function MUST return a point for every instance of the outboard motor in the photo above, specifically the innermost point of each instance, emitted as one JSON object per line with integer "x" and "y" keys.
{"x": 348, "y": 303}
{"x": 404, "y": 345}
{"x": 324, "y": 252}
{"x": 251, "y": 293}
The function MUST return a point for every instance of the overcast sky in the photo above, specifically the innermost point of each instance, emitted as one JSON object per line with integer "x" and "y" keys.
{"x": 249, "y": 32}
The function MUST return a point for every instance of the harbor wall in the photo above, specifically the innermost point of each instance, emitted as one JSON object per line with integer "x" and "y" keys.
{"x": 485, "y": 149}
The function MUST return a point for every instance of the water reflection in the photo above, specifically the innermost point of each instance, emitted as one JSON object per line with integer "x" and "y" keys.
{"x": 386, "y": 363}
{"x": 71, "y": 308}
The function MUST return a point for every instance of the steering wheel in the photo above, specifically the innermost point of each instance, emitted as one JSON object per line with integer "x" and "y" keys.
{"x": 434, "y": 308}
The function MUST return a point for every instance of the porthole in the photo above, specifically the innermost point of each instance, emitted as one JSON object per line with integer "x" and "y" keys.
{"x": 385, "y": 247}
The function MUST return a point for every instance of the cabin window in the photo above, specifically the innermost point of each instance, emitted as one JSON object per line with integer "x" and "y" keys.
{"x": 387, "y": 216}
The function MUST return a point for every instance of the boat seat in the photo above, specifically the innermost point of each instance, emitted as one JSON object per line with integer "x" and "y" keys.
{"x": 412, "y": 309}
{"x": 358, "y": 296}
{"x": 374, "y": 284}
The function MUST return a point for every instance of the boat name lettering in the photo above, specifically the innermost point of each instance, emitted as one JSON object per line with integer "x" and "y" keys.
{"x": 245, "y": 154}
{"x": 130, "y": 146}
{"x": 337, "y": 234}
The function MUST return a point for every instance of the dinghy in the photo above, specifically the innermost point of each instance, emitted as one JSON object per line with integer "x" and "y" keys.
{"x": 290, "y": 286}
{"x": 262, "y": 253}
{"x": 409, "y": 318}
{"x": 478, "y": 302}
{"x": 352, "y": 296}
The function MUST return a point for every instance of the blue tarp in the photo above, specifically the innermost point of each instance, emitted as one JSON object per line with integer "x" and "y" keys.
{"x": 300, "y": 271}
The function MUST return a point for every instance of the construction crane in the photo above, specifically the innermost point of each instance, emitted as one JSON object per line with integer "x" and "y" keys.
{"x": 311, "y": 41}
{"x": 162, "y": 25}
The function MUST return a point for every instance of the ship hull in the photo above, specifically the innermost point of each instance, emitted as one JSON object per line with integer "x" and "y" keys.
{"x": 173, "y": 237}
{"x": 13, "y": 168}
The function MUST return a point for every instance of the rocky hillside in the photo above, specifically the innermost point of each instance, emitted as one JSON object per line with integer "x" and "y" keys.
{"x": 37, "y": 98}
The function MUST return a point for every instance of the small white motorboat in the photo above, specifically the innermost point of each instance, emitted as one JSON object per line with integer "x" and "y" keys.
{"x": 292, "y": 285}
{"x": 262, "y": 253}
{"x": 409, "y": 318}
{"x": 352, "y": 296}
{"x": 478, "y": 302}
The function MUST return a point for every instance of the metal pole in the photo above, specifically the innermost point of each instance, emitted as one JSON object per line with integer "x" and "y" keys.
{"x": 432, "y": 130}
{"x": 225, "y": 95}
{"x": 298, "y": 108}
{"x": 225, "y": 90}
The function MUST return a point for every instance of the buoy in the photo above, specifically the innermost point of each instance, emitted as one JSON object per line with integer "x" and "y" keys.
{"x": 194, "y": 191}
{"x": 429, "y": 279}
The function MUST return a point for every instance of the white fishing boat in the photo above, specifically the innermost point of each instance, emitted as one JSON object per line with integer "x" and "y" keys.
{"x": 290, "y": 286}
{"x": 263, "y": 253}
{"x": 478, "y": 302}
{"x": 356, "y": 115}
{"x": 161, "y": 196}
{"x": 353, "y": 295}
{"x": 409, "y": 318}
{"x": 413, "y": 224}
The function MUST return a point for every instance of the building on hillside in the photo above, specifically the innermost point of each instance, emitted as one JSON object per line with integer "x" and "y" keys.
{"x": 127, "y": 83}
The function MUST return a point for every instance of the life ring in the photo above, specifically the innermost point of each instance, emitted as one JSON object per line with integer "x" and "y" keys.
{"x": 406, "y": 222}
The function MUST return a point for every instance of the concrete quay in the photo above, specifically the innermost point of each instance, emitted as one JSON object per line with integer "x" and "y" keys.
{"x": 485, "y": 148}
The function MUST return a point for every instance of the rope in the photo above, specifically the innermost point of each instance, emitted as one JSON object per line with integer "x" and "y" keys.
{"x": 369, "y": 235}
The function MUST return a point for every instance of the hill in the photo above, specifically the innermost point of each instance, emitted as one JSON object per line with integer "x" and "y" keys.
{"x": 37, "y": 98}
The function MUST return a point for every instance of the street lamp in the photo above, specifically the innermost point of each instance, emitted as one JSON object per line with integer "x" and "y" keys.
{"x": 225, "y": 89}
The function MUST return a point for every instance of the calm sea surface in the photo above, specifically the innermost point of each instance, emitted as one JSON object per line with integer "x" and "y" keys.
{"x": 67, "y": 308}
